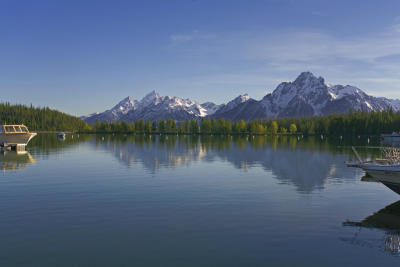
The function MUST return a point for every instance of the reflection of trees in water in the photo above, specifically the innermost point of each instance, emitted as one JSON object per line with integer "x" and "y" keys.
{"x": 387, "y": 219}
{"x": 42, "y": 145}
{"x": 304, "y": 162}
{"x": 45, "y": 144}
{"x": 290, "y": 158}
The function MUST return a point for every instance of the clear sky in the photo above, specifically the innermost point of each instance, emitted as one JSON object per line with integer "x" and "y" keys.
{"x": 85, "y": 56}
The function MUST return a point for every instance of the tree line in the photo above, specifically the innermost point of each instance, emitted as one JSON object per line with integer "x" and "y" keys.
{"x": 204, "y": 126}
{"x": 41, "y": 119}
{"x": 352, "y": 123}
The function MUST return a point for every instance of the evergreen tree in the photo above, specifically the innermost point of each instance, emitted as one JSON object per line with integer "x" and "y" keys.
{"x": 162, "y": 128}
{"x": 41, "y": 119}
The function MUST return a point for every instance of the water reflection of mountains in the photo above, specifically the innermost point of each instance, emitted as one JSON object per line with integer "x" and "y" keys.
{"x": 307, "y": 163}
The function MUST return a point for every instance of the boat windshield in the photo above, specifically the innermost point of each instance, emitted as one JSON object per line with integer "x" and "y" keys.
{"x": 10, "y": 129}
{"x": 24, "y": 129}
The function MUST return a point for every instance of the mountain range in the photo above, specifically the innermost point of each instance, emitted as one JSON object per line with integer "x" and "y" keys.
{"x": 306, "y": 96}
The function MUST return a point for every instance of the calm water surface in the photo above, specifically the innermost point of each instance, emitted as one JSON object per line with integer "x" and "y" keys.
{"x": 189, "y": 201}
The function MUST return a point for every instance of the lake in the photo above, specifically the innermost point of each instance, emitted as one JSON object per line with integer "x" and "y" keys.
{"x": 104, "y": 200}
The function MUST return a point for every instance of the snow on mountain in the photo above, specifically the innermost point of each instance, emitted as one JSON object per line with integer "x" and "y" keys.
{"x": 229, "y": 110}
{"x": 234, "y": 103}
{"x": 309, "y": 95}
{"x": 114, "y": 114}
{"x": 394, "y": 103}
{"x": 153, "y": 107}
{"x": 152, "y": 98}
{"x": 306, "y": 96}
{"x": 210, "y": 107}
{"x": 125, "y": 106}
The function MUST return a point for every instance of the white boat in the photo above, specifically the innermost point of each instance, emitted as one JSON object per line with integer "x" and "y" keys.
{"x": 376, "y": 168}
{"x": 385, "y": 170}
{"x": 392, "y": 135}
{"x": 389, "y": 164}
{"x": 15, "y": 135}
{"x": 391, "y": 139}
{"x": 61, "y": 135}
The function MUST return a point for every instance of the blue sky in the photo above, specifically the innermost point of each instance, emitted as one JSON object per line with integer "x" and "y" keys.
{"x": 85, "y": 56}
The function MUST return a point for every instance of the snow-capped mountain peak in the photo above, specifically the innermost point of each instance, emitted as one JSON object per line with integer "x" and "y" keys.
{"x": 233, "y": 103}
{"x": 305, "y": 88}
{"x": 307, "y": 95}
{"x": 152, "y": 107}
{"x": 238, "y": 100}
{"x": 151, "y": 98}
{"x": 125, "y": 105}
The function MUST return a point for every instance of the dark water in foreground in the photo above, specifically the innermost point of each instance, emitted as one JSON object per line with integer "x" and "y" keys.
{"x": 188, "y": 201}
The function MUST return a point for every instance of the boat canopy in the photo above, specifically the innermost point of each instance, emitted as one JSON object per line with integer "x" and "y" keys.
{"x": 14, "y": 129}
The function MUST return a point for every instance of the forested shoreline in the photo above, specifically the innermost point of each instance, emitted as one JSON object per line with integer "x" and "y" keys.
{"x": 41, "y": 119}
{"x": 352, "y": 123}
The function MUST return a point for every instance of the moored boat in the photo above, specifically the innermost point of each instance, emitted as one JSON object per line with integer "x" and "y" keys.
{"x": 61, "y": 135}
{"x": 392, "y": 139}
{"x": 385, "y": 170}
{"x": 392, "y": 135}
{"x": 15, "y": 135}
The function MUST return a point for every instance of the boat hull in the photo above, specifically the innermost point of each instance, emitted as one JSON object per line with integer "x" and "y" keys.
{"x": 381, "y": 168}
{"x": 16, "y": 139}
{"x": 389, "y": 179}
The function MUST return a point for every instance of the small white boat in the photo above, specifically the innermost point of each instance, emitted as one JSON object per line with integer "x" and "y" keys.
{"x": 61, "y": 135}
{"x": 15, "y": 135}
